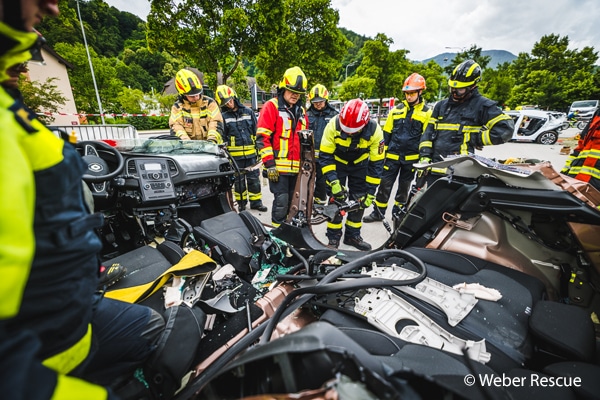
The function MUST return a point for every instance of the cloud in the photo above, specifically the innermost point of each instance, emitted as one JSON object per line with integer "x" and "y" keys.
{"x": 427, "y": 27}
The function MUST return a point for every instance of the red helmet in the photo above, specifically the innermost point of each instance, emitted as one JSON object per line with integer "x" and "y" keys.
{"x": 354, "y": 116}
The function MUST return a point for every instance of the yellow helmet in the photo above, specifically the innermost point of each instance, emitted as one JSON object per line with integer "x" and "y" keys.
{"x": 318, "y": 93}
{"x": 223, "y": 94}
{"x": 187, "y": 83}
{"x": 294, "y": 80}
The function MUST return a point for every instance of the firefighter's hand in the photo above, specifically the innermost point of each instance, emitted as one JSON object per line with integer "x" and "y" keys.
{"x": 273, "y": 174}
{"x": 424, "y": 160}
{"x": 338, "y": 191}
{"x": 367, "y": 200}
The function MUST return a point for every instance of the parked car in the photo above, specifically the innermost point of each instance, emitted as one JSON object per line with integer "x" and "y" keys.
{"x": 536, "y": 126}
{"x": 585, "y": 108}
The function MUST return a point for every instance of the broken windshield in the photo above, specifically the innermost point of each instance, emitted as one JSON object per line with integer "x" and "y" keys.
{"x": 165, "y": 146}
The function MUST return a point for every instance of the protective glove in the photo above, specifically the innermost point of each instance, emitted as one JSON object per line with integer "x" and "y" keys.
{"x": 424, "y": 160}
{"x": 367, "y": 200}
{"x": 273, "y": 174}
{"x": 338, "y": 191}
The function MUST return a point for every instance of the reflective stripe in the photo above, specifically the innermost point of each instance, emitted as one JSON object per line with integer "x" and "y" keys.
{"x": 331, "y": 225}
{"x": 373, "y": 181}
{"x": 67, "y": 360}
{"x": 352, "y": 224}
{"x": 68, "y": 387}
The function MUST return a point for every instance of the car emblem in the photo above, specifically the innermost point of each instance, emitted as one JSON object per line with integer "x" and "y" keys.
{"x": 95, "y": 167}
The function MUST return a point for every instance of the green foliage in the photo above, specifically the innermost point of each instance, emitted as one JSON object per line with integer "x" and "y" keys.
{"x": 310, "y": 40}
{"x": 388, "y": 69}
{"x": 262, "y": 38}
{"x": 355, "y": 87}
{"x": 42, "y": 97}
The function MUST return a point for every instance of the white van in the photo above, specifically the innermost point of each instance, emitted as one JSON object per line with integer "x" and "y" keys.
{"x": 586, "y": 108}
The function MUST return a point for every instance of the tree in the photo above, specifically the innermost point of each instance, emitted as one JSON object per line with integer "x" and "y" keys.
{"x": 552, "y": 75}
{"x": 42, "y": 97}
{"x": 310, "y": 40}
{"x": 387, "y": 69}
{"x": 355, "y": 87}
{"x": 214, "y": 38}
{"x": 109, "y": 85}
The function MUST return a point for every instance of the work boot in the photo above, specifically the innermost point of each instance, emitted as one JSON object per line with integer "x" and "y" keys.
{"x": 373, "y": 217}
{"x": 259, "y": 207}
{"x": 333, "y": 244}
{"x": 358, "y": 242}
{"x": 110, "y": 275}
{"x": 241, "y": 206}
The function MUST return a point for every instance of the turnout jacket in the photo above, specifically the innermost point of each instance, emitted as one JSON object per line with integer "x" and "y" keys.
{"x": 365, "y": 150}
{"x": 277, "y": 138}
{"x": 459, "y": 128}
{"x": 201, "y": 120}
{"x": 240, "y": 132}
{"x": 48, "y": 261}
{"x": 584, "y": 161}
{"x": 403, "y": 130}
{"x": 318, "y": 120}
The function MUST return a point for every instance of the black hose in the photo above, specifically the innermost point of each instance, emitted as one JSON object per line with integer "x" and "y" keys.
{"x": 308, "y": 292}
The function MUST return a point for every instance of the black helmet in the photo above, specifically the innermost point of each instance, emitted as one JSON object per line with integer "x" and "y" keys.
{"x": 466, "y": 74}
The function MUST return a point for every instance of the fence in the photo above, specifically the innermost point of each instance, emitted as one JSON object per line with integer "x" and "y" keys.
{"x": 97, "y": 132}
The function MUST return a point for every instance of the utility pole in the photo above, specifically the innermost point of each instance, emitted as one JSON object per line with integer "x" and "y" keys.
{"x": 91, "y": 66}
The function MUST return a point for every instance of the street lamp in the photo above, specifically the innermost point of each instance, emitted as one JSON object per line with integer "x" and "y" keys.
{"x": 91, "y": 66}
{"x": 443, "y": 76}
{"x": 354, "y": 63}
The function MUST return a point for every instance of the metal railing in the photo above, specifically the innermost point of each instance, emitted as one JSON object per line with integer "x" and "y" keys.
{"x": 97, "y": 132}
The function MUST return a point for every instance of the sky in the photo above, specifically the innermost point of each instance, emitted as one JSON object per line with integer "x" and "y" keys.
{"x": 427, "y": 28}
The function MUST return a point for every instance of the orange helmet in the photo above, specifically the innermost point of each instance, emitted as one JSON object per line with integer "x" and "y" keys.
{"x": 354, "y": 116}
{"x": 413, "y": 83}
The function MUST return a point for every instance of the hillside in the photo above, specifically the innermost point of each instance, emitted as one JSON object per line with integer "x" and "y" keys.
{"x": 498, "y": 57}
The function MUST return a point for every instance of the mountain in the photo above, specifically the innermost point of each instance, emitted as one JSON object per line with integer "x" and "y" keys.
{"x": 498, "y": 57}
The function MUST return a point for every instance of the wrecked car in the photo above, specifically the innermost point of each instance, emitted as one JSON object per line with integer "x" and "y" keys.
{"x": 490, "y": 273}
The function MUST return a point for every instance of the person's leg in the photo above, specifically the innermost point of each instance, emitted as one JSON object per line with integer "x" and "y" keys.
{"x": 390, "y": 171}
{"x": 320, "y": 194}
{"x": 239, "y": 190}
{"x": 281, "y": 198}
{"x": 404, "y": 181}
{"x": 254, "y": 190}
{"x": 124, "y": 336}
{"x": 357, "y": 188}
{"x": 334, "y": 227}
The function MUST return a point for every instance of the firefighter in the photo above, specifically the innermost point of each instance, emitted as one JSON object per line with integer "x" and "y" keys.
{"x": 584, "y": 162}
{"x": 57, "y": 335}
{"x": 320, "y": 112}
{"x": 240, "y": 136}
{"x": 194, "y": 115}
{"x": 463, "y": 122}
{"x": 402, "y": 133}
{"x": 352, "y": 154}
{"x": 278, "y": 142}
{"x": 60, "y": 338}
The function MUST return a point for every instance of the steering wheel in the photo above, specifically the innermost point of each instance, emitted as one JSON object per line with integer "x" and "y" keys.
{"x": 98, "y": 172}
